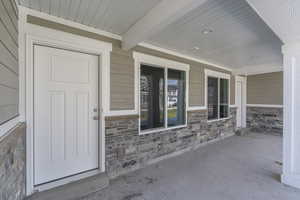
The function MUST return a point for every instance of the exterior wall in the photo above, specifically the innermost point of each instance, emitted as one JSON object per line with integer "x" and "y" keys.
{"x": 127, "y": 151}
{"x": 122, "y": 80}
{"x": 265, "y": 89}
{"x": 265, "y": 120}
{"x": 12, "y": 144}
{"x": 12, "y": 164}
{"x": 9, "y": 80}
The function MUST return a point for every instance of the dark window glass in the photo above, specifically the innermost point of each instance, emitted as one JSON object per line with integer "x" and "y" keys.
{"x": 224, "y": 98}
{"x": 176, "y": 97}
{"x": 152, "y": 97}
{"x": 212, "y": 98}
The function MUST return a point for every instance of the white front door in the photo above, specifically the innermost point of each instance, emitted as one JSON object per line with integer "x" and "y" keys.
{"x": 65, "y": 113}
{"x": 240, "y": 102}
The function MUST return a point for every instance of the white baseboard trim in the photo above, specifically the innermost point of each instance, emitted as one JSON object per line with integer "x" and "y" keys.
{"x": 292, "y": 180}
{"x": 265, "y": 105}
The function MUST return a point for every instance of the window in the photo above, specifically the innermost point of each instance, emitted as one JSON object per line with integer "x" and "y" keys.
{"x": 224, "y": 104}
{"x": 212, "y": 94}
{"x": 152, "y": 97}
{"x": 176, "y": 97}
{"x": 217, "y": 95}
{"x": 162, "y": 98}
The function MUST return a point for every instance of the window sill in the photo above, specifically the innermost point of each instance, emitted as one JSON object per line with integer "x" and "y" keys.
{"x": 145, "y": 132}
{"x": 217, "y": 120}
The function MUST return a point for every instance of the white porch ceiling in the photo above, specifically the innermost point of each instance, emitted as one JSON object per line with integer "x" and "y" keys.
{"x": 239, "y": 39}
{"x": 115, "y": 16}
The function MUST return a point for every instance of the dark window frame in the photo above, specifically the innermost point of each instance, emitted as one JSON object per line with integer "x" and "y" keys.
{"x": 165, "y": 127}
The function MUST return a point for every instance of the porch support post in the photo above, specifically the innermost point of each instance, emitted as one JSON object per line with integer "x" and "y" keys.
{"x": 291, "y": 125}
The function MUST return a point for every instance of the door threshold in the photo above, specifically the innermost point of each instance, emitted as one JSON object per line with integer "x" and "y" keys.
{"x": 73, "y": 190}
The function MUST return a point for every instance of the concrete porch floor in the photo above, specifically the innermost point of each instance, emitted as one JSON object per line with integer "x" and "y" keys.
{"x": 237, "y": 168}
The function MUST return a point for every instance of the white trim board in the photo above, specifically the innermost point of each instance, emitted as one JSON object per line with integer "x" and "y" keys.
{"x": 258, "y": 69}
{"x": 217, "y": 74}
{"x": 193, "y": 108}
{"x": 161, "y": 62}
{"x": 174, "y": 53}
{"x": 114, "y": 113}
{"x": 46, "y": 16}
{"x": 7, "y": 126}
{"x": 265, "y": 105}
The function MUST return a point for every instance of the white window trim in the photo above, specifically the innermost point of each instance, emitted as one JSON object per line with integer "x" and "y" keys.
{"x": 215, "y": 74}
{"x": 265, "y": 105}
{"x": 154, "y": 61}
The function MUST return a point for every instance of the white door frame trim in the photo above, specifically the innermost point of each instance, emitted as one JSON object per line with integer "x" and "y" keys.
{"x": 244, "y": 99}
{"x": 48, "y": 37}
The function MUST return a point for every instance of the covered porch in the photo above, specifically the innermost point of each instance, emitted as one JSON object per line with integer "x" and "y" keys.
{"x": 152, "y": 99}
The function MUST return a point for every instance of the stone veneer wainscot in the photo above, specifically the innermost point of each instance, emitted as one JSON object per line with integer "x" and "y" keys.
{"x": 126, "y": 150}
{"x": 12, "y": 164}
{"x": 265, "y": 120}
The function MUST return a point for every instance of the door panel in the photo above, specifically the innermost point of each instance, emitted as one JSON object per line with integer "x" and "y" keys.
{"x": 65, "y": 102}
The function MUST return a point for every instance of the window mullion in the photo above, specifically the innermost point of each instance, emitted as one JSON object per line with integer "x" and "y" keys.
{"x": 219, "y": 98}
{"x": 166, "y": 98}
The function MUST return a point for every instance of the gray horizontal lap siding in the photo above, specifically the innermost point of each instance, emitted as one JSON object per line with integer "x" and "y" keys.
{"x": 121, "y": 82}
{"x": 12, "y": 144}
{"x": 9, "y": 66}
{"x": 265, "y": 88}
